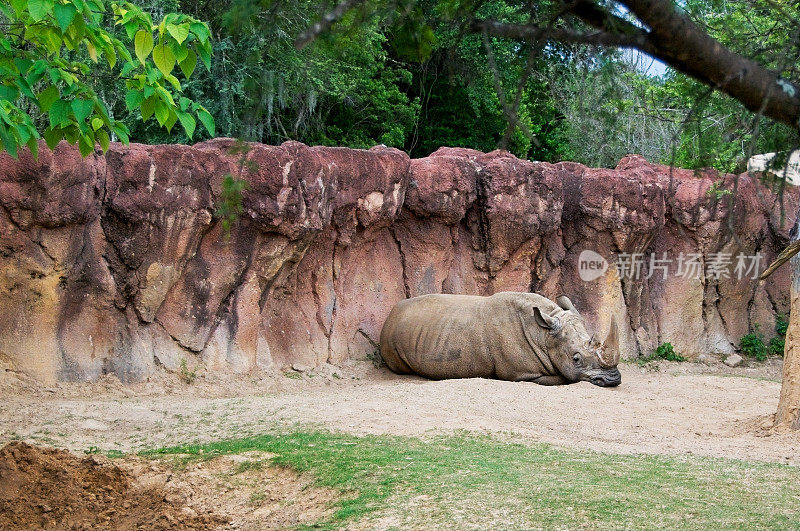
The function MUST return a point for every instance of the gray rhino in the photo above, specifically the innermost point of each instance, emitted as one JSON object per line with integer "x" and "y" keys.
{"x": 509, "y": 336}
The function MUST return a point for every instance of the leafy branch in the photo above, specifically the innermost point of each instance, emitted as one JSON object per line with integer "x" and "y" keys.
{"x": 36, "y": 68}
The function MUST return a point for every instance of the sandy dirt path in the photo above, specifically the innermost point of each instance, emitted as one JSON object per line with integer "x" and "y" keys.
{"x": 671, "y": 411}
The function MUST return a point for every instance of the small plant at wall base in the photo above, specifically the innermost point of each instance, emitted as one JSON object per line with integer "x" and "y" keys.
{"x": 752, "y": 344}
{"x": 777, "y": 343}
{"x": 666, "y": 351}
{"x": 188, "y": 376}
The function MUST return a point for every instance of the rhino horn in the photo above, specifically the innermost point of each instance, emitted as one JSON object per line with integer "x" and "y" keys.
{"x": 549, "y": 322}
{"x": 566, "y": 304}
{"x": 611, "y": 347}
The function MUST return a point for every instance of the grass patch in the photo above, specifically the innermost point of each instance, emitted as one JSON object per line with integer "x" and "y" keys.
{"x": 245, "y": 466}
{"x": 478, "y": 481}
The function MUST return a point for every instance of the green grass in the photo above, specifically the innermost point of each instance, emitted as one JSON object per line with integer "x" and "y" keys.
{"x": 468, "y": 480}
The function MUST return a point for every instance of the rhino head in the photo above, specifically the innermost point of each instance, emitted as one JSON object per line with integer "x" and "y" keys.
{"x": 574, "y": 353}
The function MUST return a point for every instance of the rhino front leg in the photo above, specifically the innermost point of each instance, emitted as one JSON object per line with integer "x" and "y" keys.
{"x": 542, "y": 380}
{"x": 551, "y": 380}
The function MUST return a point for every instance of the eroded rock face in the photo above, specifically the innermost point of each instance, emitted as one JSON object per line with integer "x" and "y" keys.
{"x": 118, "y": 264}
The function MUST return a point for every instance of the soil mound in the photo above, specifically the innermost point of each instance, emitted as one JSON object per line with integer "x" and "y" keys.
{"x": 49, "y": 488}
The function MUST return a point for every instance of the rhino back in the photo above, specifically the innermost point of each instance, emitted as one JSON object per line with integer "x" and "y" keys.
{"x": 448, "y": 336}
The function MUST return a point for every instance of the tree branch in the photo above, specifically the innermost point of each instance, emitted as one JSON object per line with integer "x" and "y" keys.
{"x": 677, "y": 41}
{"x": 535, "y": 33}
{"x": 683, "y": 45}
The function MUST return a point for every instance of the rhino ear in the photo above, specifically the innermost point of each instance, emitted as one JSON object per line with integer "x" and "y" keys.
{"x": 548, "y": 322}
{"x": 566, "y": 304}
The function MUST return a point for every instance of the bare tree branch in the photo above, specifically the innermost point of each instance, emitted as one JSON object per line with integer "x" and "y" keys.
{"x": 790, "y": 250}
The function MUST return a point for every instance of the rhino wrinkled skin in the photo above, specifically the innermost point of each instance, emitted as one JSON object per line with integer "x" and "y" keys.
{"x": 508, "y": 336}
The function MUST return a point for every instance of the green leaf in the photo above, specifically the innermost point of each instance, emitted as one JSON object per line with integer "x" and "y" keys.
{"x": 201, "y": 30}
{"x": 127, "y": 68}
{"x": 174, "y": 82}
{"x": 82, "y": 109}
{"x": 47, "y": 97}
{"x": 19, "y": 6}
{"x": 8, "y": 93}
{"x": 133, "y": 99}
{"x": 205, "y": 57}
{"x": 24, "y": 87}
{"x": 52, "y": 137}
{"x": 162, "y": 112}
{"x": 179, "y": 50}
{"x": 39, "y": 9}
{"x": 22, "y": 64}
{"x": 85, "y": 144}
{"x": 188, "y": 64}
{"x": 33, "y": 146}
{"x": 9, "y": 143}
{"x": 163, "y": 58}
{"x": 184, "y": 103}
{"x": 71, "y": 133}
{"x": 59, "y": 113}
{"x": 97, "y": 123}
{"x": 171, "y": 119}
{"x": 37, "y": 72}
{"x": 148, "y": 107}
{"x": 187, "y": 122}
{"x": 5, "y": 117}
{"x": 143, "y": 44}
{"x": 166, "y": 97}
{"x": 102, "y": 138}
{"x": 121, "y": 131}
{"x": 64, "y": 14}
{"x": 111, "y": 55}
{"x": 131, "y": 28}
{"x": 179, "y": 33}
{"x": 207, "y": 120}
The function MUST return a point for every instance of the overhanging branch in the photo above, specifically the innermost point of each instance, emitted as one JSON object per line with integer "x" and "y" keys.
{"x": 536, "y": 33}
{"x": 683, "y": 45}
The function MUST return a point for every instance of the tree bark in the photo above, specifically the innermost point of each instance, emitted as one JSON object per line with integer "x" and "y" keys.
{"x": 788, "y": 415}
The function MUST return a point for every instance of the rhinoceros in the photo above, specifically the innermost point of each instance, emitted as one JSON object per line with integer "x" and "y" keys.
{"x": 508, "y": 336}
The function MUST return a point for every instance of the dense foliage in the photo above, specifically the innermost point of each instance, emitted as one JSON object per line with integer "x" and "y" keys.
{"x": 407, "y": 75}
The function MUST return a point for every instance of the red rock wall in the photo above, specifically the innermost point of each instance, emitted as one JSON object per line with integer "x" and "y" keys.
{"x": 117, "y": 264}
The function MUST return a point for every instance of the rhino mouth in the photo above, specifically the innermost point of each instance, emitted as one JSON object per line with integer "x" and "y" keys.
{"x": 604, "y": 377}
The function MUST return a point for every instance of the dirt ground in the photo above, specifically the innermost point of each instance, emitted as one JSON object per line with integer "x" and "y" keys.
{"x": 662, "y": 408}
{"x": 668, "y": 408}
{"x": 45, "y": 488}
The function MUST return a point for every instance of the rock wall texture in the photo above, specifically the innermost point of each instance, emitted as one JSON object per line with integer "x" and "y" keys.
{"x": 117, "y": 263}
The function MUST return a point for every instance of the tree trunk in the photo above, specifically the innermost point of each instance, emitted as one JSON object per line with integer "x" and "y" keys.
{"x": 788, "y": 415}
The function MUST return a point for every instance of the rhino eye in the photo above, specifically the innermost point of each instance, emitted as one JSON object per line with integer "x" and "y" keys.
{"x": 576, "y": 357}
